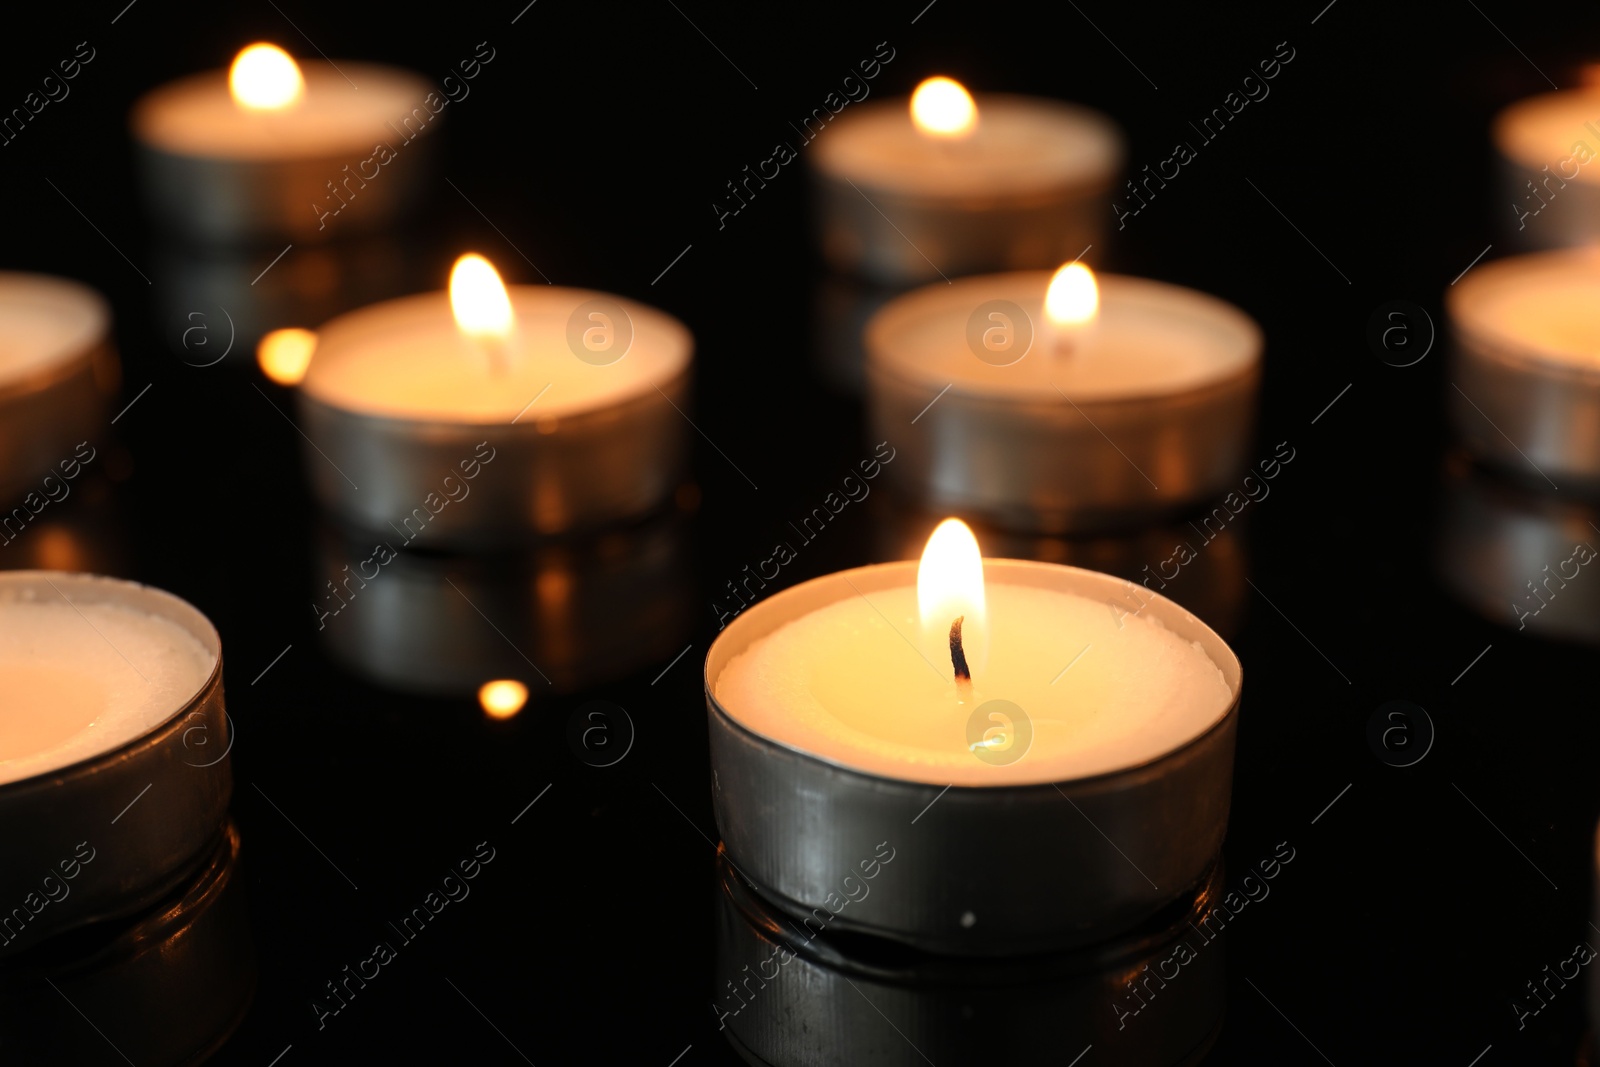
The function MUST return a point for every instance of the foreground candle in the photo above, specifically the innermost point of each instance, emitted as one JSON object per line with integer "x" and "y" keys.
{"x": 976, "y": 696}
{"x": 83, "y": 679}
{"x": 1526, "y": 366}
{"x": 1548, "y": 145}
{"x": 567, "y": 402}
{"x": 945, "y": 182}
{"x": 113, "y": 718}
{"x": 277, "y": 149}
{"x": 56, "y": 369}
{"x": 1063, "y": 401}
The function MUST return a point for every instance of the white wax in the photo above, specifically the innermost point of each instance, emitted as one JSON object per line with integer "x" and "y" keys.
{"x": 197, "y": 116}
{"x": 1544, "y": 307}
{"x": 45, "y": 322}
{"x": 852, "y": 682}
{"x": 406, "y": 358}
{"x": 1151, "y": 339}
{"x": 1022, "y": 145}
{"x": 1545, "y": 130}
{"x": 82, "y": 678}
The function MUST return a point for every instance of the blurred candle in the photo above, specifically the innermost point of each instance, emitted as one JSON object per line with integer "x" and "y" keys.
{"x": 949, "y": 184}
{"x": 272, "y": 148}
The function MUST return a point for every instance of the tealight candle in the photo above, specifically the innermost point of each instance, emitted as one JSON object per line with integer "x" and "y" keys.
{"x": 1006, "y": 703}
{"x": 552, "y": 408}
{"x": 57, "y": 367}
{"x": 947, "y": 184}
{"x": 1548, "y": 145}
{"x": 1063, "y": 402}
{"x": 1525, "y": 368}
{"x": 112, "y": 690}
{"x": 273, "y": 149}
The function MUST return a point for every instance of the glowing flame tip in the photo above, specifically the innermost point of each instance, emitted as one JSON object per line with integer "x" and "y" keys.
{"x": 265, "y": 78}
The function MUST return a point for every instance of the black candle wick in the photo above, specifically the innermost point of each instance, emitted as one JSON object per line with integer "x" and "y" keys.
{"x": 958, "y": 655}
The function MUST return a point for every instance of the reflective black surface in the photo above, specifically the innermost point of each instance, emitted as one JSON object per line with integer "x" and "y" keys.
{"x": 1422, "y": 899}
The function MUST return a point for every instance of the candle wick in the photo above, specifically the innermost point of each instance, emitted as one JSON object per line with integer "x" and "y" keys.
{"x": 958, "y": 654}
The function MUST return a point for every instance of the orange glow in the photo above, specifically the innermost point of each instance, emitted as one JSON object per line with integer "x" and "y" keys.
{"x": 942, "y": 108}
{"x": 1073, "y": 299}
{"x": 478, "y": 298}
{"x": 264, "y": 78}
{"x": 502, "y": 698}
{"x": 284, "y": 355}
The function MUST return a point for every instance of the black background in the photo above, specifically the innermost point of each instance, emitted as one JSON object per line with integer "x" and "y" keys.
{"x": 596, "y": 141}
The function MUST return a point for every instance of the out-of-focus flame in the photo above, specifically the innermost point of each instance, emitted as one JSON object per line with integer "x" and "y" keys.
{"x": 502, "y": 698}
{"x": 941, "y": 107}
{"x": 478, "y": 298}
{"x": 265, "y": 78}
{"x": 284, "y": 355}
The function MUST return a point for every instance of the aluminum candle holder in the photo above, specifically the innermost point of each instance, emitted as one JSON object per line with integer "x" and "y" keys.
{"x": 788, "y": 996}
{"x": 1551, "y": 194}
{"x": 291, "y": 188}
{"x": 899, "y": 221}
{"x": 53, "y": 405}
{"x": 149, "y": 811}
{"x": 1044, "y": 460}
{"x": 537, "y": 474}
{"x": 170, "y": 985}
{"x": 1525, "y": 399}
{"x": 992, "y": 870}
{"x": 583, "y": 610}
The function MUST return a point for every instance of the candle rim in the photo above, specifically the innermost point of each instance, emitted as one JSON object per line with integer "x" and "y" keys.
{"x": 770, "y": 614}
{"x": 331, "y": 336}
{"x": 135, "y": 597}
{"x": 1518, "y": 147}
{"x": 64, "y": 295}
{"x": 1467, "y": 309}
{"x": 410, "y": 89}
{"x": 995, "y": 110}
{"x": 1116, "y": 291}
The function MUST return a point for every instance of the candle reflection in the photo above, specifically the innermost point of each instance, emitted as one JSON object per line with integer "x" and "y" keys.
{"x": 793, "y": 994}
{"x": 551, "y": 617}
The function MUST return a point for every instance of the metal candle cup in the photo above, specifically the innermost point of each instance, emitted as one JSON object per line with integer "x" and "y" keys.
{"x": 365, "y": 160}
{"x": 1026, "y": 189}
{"x": 1547, "y": 146}
{"x": 1525, "y": 375}
{"x": 58, "y": 397}
{"x": 791, "y": 996}
{"x": 1042, "y": 458}
{"x": 150, "y": 809}
{"x": 1027, "y": 866}
{"x": 543, "y": 470}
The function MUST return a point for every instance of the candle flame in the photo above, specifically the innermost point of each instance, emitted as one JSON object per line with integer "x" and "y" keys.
{"x": 950, "y": 582}
{"x": 1073, "y": 298}
{"x": 942, "y": 108}
{"x": 285, "y": 355}
{"x": 478, "y": 298}
{"x": 502, "y": 698}
{"x": 265, "y": 78}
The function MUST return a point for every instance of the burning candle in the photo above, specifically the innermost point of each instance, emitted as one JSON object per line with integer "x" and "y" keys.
{"x": 1526, "y": 366}
{"x": 112, "y": 691}
{"x": 56, "y": 369}
{"x": 842, "y": 706}
{"x": 568, "y": 402}
{"x": 276, "y": 149}
{"x": 948, "y": 184}
{"x": 1548, "y": 145}
{"x": 1064, "y": 402}
{"x": 85, "y": 678}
